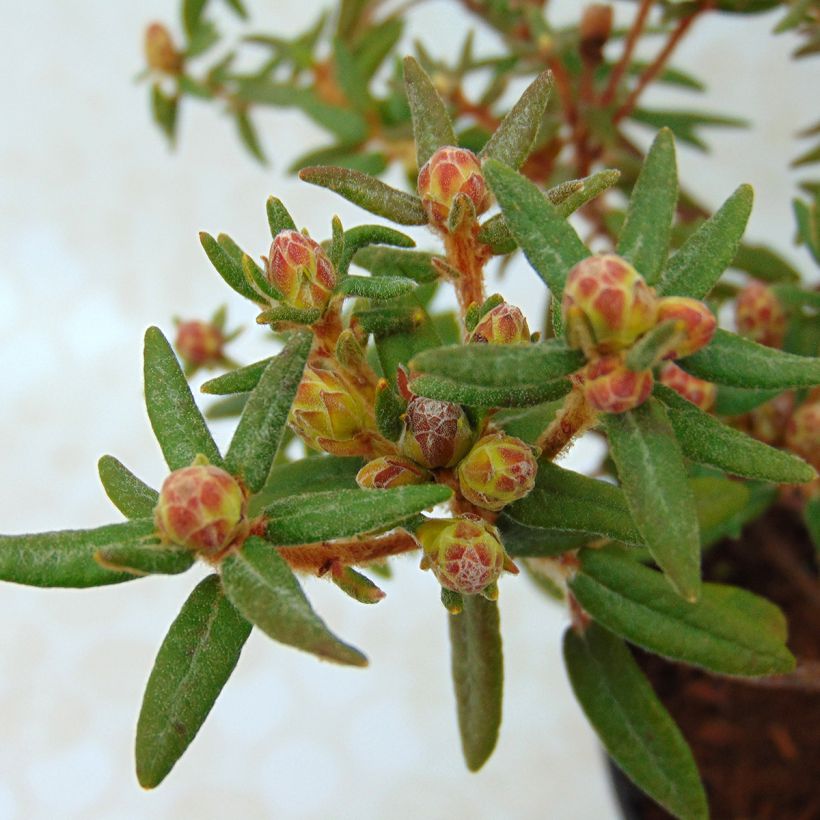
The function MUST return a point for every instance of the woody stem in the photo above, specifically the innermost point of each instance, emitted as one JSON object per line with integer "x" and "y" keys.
{"x": 573, "y": 418}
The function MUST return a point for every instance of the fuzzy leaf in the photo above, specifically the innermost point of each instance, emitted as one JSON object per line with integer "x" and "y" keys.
{"x": 150, "y": 558}
{"x": 478, "y": 677}
{"x": 728, "y": 631}
{"x": 196, "y": 659}
{"x": 763, "y": 263}
{"x": 528, "y": 423}
{"x": 635, "y": 728}
{"x": 178, "y": 425}
{"x": 432, "y": 128}
{"x": 278, "y": 217}
{"x": 241, "y": 380}
{"x": 264, "y": 589}
{"x": 734, "y": 401}
{"x": 388, "y": 410}
{"x": 363, "y": 236}
{"x": 376, "y": 287}
{"x": 444, "y": 389}
{"x": 653, "y": 477}
{"x": 382, "y": 261}
{"x": 132, "y": 497}
{"x": 227, "y": 267}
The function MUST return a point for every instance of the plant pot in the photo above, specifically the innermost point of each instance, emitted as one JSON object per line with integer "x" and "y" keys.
{"x": 756, "y": 743}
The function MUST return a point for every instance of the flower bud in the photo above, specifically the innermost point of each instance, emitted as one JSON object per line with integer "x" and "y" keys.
{"x": 611, "y": 387}
{"x": 503, "y": 325}
{"x": 465, "y": 554}
{"x": 606, "y": 304}
{"x": 803, "y": 432}
{"x": 449, "y": 172}
{"x": 701, "y": 393}
{"x": 160, "y": 52}
{"x": 326, "y": 409}
{"x": 300, "y": 269}
{"x": 498, "y": 470}
{"x": 436, "y": 433}
{"x": 200, "y": 507}
{"x": 391, "y": 471}
{"x": 199, "y": 343}
{"x": 697, "y": 324}
{"x": 759, "y": 315}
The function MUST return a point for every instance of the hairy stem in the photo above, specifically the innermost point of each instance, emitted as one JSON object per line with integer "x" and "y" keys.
{"x": 573, "y": 418}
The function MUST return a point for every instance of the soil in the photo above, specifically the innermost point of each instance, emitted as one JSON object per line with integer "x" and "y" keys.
{"x": 757, "y": 745}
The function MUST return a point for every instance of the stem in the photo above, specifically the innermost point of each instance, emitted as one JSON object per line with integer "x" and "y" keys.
{"x": 352, "y": 551}
{"x": 468, "y": 256}
{"x": 572, "y": 419}
{"x": 632, "y": 38}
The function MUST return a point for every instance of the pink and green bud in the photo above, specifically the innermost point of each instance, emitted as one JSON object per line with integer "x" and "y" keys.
{"x": 300, "y": 269}
{"x": 498, "y": 470}
{"x": 201, "y": 507}
{"x": 160, "y": 52}
{"x": 449, "y": 172}
{"x": 199, "y": 343}
{"x": 611, "y": 387}
{"x": 465, "y": 554}
{"x": 607, "y": 304}
{"x": 436, "y": 433}
{"x": 803, "y": 433}
{"x": 759, "y": 315}
{"x": 503, "y": 325}
{"x": 701, "y": 393}
{"x": 695, "y": 322}
{"x": 386, "y": 472}
{"x": 327, "y": 411}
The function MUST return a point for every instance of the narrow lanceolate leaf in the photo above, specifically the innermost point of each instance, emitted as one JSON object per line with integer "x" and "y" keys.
{"x": 653, "y": 477}
{"x": 241, "y": 380}
{"x": 279, "y": 219}
{"x": 478, "y": 677}
{"x": 342, "y": 513}
{"x": 260, "y": 430}
{"x": 706, "y": 440}
{"x": 432, "y": 128}
{"x": 732, "y": 360}
{"x": 132, "y": 497}
{"x": 444, "y": 389}
{"x": 729, "y": 630}
{"x": 376, "y": 287}
{"x": 149, "y": 558}
{"x": 264, "y": 589}
{"x": 694, "y": 270}
{"x": 734, "y": 401}
{"x": 196, "y": 659}
{"x": 364, "y": 235}
{"x": 66, "y": 558}
{"x": 644, "y": 238}
{"x": 635, "y": 728}
{"x": 227, "y": 267}
{"x": 382, "y": 261}
{"x": 549, "y": 242}
{"x": 514, "y": 138}
{"x": 368, "y": 192}
{"x": 178, "y": 425}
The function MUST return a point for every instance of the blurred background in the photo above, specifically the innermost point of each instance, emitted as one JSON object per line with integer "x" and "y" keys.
{"x": 98, "y": 240}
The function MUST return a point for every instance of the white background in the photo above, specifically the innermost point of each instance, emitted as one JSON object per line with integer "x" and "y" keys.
{"x": 98, "y": 225}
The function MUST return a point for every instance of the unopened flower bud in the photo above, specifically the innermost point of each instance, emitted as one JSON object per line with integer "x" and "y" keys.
{"x": 503, "y": 325}
{"x": 701, "y": 393}
{"x": 436, "y": 433}
{"x": 465, "y": 554}
{"x": 611, "y": 387}
{"x": 803, "y": 432}
{"x": 759, "y": 315}
{"x": 199, "y": 343}
{"x": 200, "y": 507}
{"x": 391, "y": 471}
{"x": 594, "y": 31}
{"x": 300, "y": 269}
{"x": 607, "y": 304}
{"x": 449, "y": 172}
{"x": 498, "y": 470}
{"x": 160, "y": 52}
{"x": 697, "y": 324}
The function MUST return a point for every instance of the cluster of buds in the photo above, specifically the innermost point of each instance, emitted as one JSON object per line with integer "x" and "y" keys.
{"x": 386, "y": 472}
{"x": 301, "y": 271}
{"x": 449, "y": 172}
{"x": 202, "y": 344}
{"x": 465, "y": 554}
{"x": 759, "y": 315}
{"x": 436, "y": 433}
{"x": 201, "y": 508}
{"x": 503, "y": 324}
{"x": 701, "y": 393}
{"x": 498, "y": 470}
{"x": 803, "y": 432}
{"x": 160, "y": 52}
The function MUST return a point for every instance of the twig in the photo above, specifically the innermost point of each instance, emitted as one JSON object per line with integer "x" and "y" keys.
{"x": 632, "y": 38}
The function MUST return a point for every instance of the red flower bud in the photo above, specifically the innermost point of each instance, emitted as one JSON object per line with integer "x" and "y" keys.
{"x": 504, "y": 324}
{"x": 698, "y": 391}
{"x": 803, "y": 432}
{"x": 436, "y": 433}
{"x": 695, "y": 321}
{"x": 201, "y": 507}
{"x": 199, "y": 343}
{"x": 759, "y": 315}
{"x": 160, "y": 52}
{"x": 611, "y": 387}
{"x": 607, "y": 304}
{"x": 449, "y": 172}
{"x": 391, "y": 471}
{"x": 300, "y": 269}
{"x": 498, "y": 470}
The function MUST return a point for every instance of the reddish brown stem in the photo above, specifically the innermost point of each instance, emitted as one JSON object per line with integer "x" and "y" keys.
{"x": 632, "y": 38}
{"x": 572, "y": 419}
{"x": 466, "y": 255}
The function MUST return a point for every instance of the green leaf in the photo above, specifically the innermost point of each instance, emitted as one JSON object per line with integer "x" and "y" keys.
{"x": 432, "y": 128}
{"x": 285, "y": 313}
{"x": 635, "y": 728}
{"x": 364, "y": 235}
{"x": 382, "y": 261}
{"x": 278, "y": 217}
{"x": 149, "y": 558}
{"x": 444, "y": 389}
{"x": 649, "y": 349}
{"x": 514, "y": 138}
{"x": 351, "y": 79}
{"x": 376, "y": 44}
{"x": 196, "y": 659}
{"x": 653, "y": 477}
{"x": 241, "y": 380}
{"x": 192, "y": 14}
{"x": 164, "y": 108}
{"x": 66, "y": 558}
{"x": 734, "y": 401}
{"x": 738, "y": 362}
{"x": 388, "y": 411}
{"x": 706, "y": 440}
{"x": 376, "y": 287}
{"x": 342, "y": 513}
{"x": 811, "y": 515}
{"x": 368, "y": 192}
{"x": 644, "y": 239}
{"x": 178, "y": 425}
{"x": 530, "y": 422}
{"x": 478, "y": 677}
{"x": 227, "y": 267}
{"x": 722, "y": 511}
{"x": 684, "y": 124}
{"x": 257, "y": 438}
{"x": 694, "y": 270}
{"x": 264, "y": 589}
{"x": 729, "y": 630}
{"x": 128, "y": 494}
{"x": 249, "y": 137}
{"x": 763, "y": 263}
